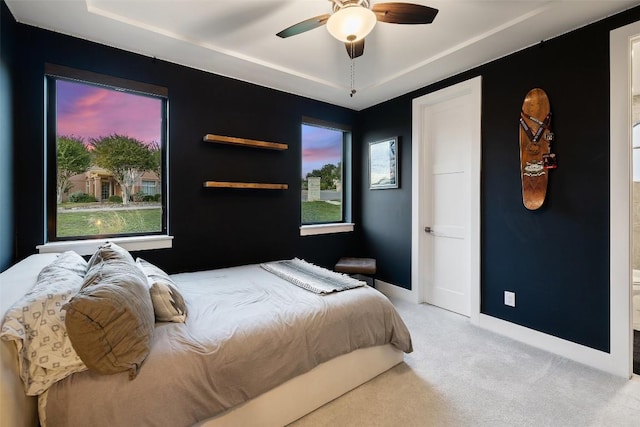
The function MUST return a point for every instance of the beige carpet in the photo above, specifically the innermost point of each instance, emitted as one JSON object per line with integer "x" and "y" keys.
{"x": 460, "y": 375}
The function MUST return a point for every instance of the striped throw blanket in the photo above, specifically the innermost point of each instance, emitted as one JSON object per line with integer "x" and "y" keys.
{"x": 311, "y": 277}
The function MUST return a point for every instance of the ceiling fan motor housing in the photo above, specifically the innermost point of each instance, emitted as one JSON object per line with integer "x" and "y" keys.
{"x": 339, "y": 4}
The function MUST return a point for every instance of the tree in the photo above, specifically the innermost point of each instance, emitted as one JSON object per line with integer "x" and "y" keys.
{"x": 156, "y": 152}
{"x": 73, "y": 158}
{"x": 126, "y": 158}
{"x": 329, "y": 174}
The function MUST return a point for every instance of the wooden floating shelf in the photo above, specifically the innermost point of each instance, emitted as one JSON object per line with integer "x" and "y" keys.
{"x": 244, "y": 142}
{"x": 253, "y": 185}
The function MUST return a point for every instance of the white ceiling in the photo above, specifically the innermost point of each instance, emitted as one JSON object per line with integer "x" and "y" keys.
{"x": 236, "y": 38}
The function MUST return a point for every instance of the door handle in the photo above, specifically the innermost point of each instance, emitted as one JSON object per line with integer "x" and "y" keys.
{"x": 428, "y": 230}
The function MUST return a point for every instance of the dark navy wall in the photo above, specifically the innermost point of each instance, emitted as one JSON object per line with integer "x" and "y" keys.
{"x": 212, "y": 227}
{"x": 556, "y": 259}
{"x": 7, "y": 37}
{"x": 386, "y": 214}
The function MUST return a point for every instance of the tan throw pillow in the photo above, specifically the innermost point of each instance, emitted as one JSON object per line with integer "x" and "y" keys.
{"x": 109, "y": 252}
{"x": 110, "y": 321}
{"x": 168, "y": 303}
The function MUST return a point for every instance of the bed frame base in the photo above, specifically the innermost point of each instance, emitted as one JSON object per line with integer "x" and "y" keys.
{"x": 306, "y": 393}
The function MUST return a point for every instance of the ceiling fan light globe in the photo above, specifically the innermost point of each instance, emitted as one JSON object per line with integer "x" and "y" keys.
{"x": 351, "y": 23}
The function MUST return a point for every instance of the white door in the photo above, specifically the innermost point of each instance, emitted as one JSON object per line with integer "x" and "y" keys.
{"x": 447, "y": 185}
{"x": 448, "y": 191}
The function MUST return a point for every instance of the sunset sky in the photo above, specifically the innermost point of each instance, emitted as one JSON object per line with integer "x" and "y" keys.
{"x": 91, "y": 112}
{"x": 320, "y": 146}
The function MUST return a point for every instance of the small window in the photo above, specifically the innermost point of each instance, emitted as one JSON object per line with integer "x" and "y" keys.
{"x": 106, "y": 145}
{"x": 324, "y": 183}
{"x": 148, "y": 188}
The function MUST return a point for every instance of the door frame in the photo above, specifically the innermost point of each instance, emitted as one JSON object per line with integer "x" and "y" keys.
{"x": 420, "y": 201}
{"x": 620, "y": 360}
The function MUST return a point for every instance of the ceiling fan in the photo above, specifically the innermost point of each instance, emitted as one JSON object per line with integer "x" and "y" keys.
{"x": 352, "y": 20}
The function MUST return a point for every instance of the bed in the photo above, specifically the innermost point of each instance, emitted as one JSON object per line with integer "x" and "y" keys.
{"x": 258, "y": 379}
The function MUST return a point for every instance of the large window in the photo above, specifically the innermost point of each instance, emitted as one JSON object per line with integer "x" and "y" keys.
{"x": 106, "y": 156}
{"x": 324, "y": 183}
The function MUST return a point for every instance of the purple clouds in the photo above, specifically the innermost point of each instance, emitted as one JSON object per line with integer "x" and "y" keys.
{"x": 89, "y": 111}
{"x": 320, "y": 146}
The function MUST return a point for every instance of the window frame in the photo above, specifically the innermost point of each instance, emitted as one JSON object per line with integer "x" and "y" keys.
{"x": 85, "y": 245}
{"x": 345, "y": 224}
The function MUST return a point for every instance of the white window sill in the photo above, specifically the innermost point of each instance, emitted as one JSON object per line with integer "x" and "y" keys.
{"x": 88, "y": 247}
{"x": 312, "y": 230}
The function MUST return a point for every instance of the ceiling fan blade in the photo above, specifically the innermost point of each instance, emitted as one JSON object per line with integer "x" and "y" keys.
{"x": 355, "y": 49}
{"x": 303, "y": 26}
{"x": 404, "y": 13}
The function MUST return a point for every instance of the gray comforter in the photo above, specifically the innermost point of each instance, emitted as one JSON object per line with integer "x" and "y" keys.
{"x": 247, "y": 331}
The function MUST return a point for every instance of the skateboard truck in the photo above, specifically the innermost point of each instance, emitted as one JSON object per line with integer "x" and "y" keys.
{"x": 549, "y": 161}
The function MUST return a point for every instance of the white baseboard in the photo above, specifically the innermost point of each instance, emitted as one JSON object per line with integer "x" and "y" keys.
{"x": 393, "y": 291}
{"x": 570, "y": 350}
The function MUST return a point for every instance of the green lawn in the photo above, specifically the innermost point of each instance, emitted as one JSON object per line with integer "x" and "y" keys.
{"x": 108, "y": 221}
{"x": 316, "y": 212}
{"x": 111, "y": 221}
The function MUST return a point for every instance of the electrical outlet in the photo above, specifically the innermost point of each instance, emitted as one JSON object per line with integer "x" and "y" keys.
{"x": 510, "y": 298}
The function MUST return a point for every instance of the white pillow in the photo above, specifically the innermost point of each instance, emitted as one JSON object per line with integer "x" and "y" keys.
{"x": 36, "y": 324}
{"x": 168, "y": 303}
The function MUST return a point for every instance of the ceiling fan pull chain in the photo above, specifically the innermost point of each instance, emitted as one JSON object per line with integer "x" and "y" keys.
{"x": 353, "y": 71}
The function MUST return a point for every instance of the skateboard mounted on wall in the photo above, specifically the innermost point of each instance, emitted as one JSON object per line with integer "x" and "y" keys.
{"x": 536, "y": 158}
